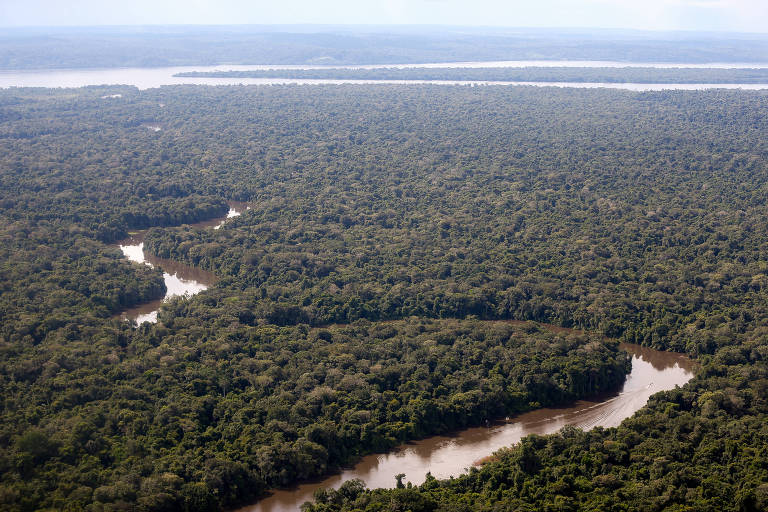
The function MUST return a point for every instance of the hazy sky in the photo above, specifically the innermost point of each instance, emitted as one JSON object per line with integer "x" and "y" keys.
{"x": 729, "y": 15}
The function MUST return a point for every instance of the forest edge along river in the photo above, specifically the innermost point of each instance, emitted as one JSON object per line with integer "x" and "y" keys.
{"x": 441, "y": 456}
{"x": 445, "y": 456}
{"x": 180, "y": 279}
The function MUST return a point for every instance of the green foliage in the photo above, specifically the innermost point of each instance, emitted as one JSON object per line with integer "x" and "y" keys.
{"x": 450, "y": 202}
{"x": 527, "y": 74}
{"x": 57, "y": 283}
{"x": 203, "y": 418}
{"x": 365, "y": 298}
{"x": 698, "y": 448}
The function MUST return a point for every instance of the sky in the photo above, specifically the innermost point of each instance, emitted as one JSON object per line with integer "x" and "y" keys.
{"x": 706, "y": 15}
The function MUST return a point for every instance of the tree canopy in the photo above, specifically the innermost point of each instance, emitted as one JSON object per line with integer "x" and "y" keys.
{"x": 365, "y": 297}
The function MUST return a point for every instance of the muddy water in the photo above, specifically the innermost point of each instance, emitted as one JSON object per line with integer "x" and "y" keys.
{"x": 180, "y": 279}
{"x": 236, "y": 208}
{"x": 443, "y": 456}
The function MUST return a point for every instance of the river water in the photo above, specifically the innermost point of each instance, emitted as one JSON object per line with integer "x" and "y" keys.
{"x": 445, "y": 456}
{"x": 145, "y": 78}
{"x": 180, "y": 279}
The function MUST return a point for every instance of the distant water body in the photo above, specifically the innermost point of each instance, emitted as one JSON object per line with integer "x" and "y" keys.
{"x": 146, "y": 78}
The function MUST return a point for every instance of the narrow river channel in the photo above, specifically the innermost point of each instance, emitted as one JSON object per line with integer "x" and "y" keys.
{"x": 443, "y": 456}
{"x": 180, "y": 279}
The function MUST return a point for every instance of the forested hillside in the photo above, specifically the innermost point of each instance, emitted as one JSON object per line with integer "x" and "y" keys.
{"x": 362, "y": 300}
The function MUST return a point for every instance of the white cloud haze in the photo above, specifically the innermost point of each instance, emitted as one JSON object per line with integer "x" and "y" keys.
{"x": 729, "y": 15}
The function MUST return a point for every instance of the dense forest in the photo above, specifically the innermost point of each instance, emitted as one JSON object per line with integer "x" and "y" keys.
{"x": 363, "y": 299}
{"x": 702, "y": 448}
{"x": 157, "y": 45}
{"x": 640, "y": 75}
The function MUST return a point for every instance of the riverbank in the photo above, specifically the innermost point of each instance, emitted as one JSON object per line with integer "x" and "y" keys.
{"x": 446, "y": 456}
{"x": 147, "y": 78}
{"x": 180, "y": 279}
{"x": 608, "y": 75}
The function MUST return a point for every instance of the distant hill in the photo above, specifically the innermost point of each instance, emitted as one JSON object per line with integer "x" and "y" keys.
{"x": 99, "y": 47}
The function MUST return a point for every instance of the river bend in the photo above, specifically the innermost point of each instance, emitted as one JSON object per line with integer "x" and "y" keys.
{"x": 146, "y": 78}
{"x": 180, "y": 279}
{"x": 445, "y": 456}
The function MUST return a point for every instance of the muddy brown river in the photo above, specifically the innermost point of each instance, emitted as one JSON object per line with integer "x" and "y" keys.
{"x": 180, "y": 279}
{"x": 443, "y": 456}
{"x": 145, "y": 78}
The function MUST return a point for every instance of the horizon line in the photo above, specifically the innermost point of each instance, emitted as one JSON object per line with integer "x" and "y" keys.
{"x": 389, "y": 25}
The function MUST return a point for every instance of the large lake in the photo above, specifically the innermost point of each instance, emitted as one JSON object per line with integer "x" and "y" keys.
{"x": 145, "y": 78}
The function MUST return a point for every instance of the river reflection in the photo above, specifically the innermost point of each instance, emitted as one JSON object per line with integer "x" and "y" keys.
{"x": 236, "y": 208}
{"x": 180, "y": 279}
{"x": 444, "y": 456}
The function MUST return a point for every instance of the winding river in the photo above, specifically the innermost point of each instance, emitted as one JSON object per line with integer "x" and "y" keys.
{"x": 180, "y": 279}
{"x": 445, "y": 456}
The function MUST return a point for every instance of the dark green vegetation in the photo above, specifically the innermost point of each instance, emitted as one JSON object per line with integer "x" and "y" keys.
{"x": 104, "y": 47}
{"x": 529, "y": 74}
{"x": 703, "y": 448}
{"x": 78, "y": 159}
{"x": 55, "y": 281}
{"x": 199, "y": 417}
{"x": 412, "y": 218}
